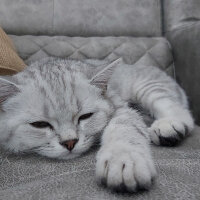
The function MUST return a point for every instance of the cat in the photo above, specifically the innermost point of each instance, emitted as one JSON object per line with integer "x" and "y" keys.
{"x": 59, "y": 108}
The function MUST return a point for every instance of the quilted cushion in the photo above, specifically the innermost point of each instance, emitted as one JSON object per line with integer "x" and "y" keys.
{"x": 81, "y": 17}
{"x": 147, "y": 51}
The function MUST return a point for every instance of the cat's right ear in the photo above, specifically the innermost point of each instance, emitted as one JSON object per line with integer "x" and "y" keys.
{"x": 100, "y": 79}
{"x": 7, "y": 88}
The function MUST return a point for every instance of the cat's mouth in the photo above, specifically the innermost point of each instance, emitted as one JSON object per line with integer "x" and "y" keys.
{"x": 69, "y": 155}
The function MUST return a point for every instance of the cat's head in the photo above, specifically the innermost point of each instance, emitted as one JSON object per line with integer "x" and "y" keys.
{"x": 54, "y": 108}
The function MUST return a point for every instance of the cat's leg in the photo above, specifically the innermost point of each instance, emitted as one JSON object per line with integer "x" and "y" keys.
{"x": 164, "y": 98}
{"x": 173, "y": 122}
{"x": 124, "y": 160}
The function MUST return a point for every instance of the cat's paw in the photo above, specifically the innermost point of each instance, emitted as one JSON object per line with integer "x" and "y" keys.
{"x": 124, "y": 170}
{"x": 169, "y": 132}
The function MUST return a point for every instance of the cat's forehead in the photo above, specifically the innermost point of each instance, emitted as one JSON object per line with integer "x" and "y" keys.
{"x": 61, "y": 88}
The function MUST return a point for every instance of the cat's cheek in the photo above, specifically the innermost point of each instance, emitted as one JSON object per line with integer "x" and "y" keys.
{"x": 97, "y": 122}
{"x": 82, "y": 125}
{"x": 84, "y": 143}
{"x": 25, "y": 138}
{"x": 101, "y": 121}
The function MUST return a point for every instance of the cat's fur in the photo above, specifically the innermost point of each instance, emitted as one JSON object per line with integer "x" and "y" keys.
{"x": 59, "y": 91}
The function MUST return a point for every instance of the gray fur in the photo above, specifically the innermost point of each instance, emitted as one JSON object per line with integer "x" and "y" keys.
{"x": 59, "y": 91}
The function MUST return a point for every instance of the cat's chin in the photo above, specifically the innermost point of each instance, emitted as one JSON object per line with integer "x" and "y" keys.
{"x": 63, "y": 156}
{"x": 68, "y": 156}
{"x": 72, "y": 155}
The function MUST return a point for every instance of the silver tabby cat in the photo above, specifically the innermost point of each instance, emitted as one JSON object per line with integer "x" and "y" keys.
{"x": 59, "y": 108}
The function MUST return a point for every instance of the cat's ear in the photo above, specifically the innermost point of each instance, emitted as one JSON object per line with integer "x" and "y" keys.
{"x": 7, "y": 88}
{"x": 100, "y": 79}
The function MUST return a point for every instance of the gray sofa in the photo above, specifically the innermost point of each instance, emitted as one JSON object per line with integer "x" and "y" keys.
{"x": 164, "y": 33}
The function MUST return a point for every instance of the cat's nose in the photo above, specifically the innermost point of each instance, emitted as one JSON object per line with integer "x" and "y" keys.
{"x": 69, "y": 144}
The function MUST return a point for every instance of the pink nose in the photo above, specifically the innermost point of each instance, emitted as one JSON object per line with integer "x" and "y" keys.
{"x": 69, "y": 144}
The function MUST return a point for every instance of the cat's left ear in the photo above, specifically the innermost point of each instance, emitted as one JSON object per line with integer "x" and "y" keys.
{"x": 7, "y": 88}
{"x": 100, "y": 79}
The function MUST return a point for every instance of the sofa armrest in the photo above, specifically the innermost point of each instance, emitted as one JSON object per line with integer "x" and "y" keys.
{"x": 182, "y": 29}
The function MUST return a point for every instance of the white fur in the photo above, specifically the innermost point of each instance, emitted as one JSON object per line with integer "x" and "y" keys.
{"x": 124, "y": 157}
{"x": 171, "y": 118}
{"x": 60, "y": 91}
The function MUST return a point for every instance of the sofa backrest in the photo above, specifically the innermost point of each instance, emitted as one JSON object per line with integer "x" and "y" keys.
{"x": 81, "y": 17}
{"x": 179, "y": 14}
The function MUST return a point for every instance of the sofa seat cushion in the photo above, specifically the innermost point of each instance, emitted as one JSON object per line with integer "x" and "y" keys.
{"x": 147, "y": 51}
{"x": 25, "y": 177}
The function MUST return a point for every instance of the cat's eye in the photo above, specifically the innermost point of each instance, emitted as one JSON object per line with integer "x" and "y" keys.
{"x": 85, "y": 116}
{"x": 41, "y": 124}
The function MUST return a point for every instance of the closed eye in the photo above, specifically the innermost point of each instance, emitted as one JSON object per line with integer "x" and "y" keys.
{"x": 41, "y": 124}
{"x": 85, "y": 116}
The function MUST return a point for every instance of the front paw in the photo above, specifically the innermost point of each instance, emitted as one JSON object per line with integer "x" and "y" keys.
{"x": 169, "y": 132}
{"x": 125, "y": 169}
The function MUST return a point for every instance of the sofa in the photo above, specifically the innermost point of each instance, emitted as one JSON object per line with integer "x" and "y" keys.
{"x": 163, "y": 33}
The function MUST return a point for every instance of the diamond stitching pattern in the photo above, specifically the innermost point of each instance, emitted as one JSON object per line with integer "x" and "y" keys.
{"x": 132, "y": 50}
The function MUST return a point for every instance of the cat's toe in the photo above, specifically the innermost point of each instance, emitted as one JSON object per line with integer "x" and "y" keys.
{"x": 124, "y": 180}
{"x": 128, "y": 172}
{"x": 168, "y": 141}
{"x": 167, "y": 132}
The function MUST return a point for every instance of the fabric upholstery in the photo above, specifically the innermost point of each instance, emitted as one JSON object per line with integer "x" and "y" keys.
{"x": 32, "y": 177}
{"x": 180, "y": 13}
{"x": 147, "y": 51}
{"x": 81, "y": 17}
{"x": 182, "y": 29}
{"x": 186, "y": 50}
